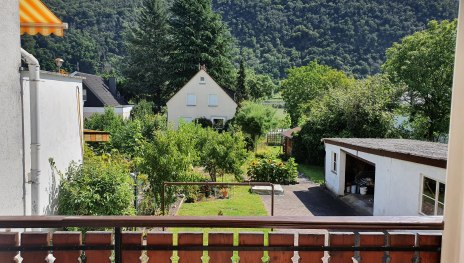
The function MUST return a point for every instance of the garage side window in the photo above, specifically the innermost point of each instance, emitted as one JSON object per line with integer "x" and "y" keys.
{"x": 433, "y": 197}
{"x": 334, "y": 162}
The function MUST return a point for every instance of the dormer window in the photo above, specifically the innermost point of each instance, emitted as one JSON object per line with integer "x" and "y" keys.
{"x": 202, "y": 80}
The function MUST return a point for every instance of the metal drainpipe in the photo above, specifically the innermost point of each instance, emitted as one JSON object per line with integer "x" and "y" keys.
{"x": 34, "y": 78}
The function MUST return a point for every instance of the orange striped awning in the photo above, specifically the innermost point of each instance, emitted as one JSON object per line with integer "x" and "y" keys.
{"x": 36, "y": 18}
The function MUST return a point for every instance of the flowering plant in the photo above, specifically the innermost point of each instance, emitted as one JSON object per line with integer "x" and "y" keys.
{"x": 273, "y": 171}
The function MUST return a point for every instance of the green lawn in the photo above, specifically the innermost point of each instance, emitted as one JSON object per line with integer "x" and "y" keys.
{"x": 240, "y": 203}
{"x": 312, "y": 172}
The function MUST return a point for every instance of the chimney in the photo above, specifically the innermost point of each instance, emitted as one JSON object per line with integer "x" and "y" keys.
{"x": 203, "y": 67}
{"x": 112, "y": 85}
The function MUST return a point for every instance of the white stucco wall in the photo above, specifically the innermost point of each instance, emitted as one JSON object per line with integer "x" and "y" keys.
{"x": 123, "y": 111}
{"x": 397, "y": 182}
{"x": 177, "y": 105}
{"x": 61, "y": 132}
{"x": 11, "y": 144}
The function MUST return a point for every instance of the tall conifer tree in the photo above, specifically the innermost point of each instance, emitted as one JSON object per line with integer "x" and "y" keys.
{"x": 241, "y": 92}
{"x": 200, "y": 37}
{"x": 149, "y": 42}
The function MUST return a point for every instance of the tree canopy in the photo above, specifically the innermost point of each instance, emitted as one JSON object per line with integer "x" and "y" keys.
{"x": 273, "y": 35}
{"x": 147, "y": 67}
{"x": 241, "y": 90}
{"x": 260, "y": 86}
{"x": 255, "y": 120}
{"x": 200, "y": 38}
{"x": 362, "y": 110}
{"x": 424, "y": 63}
{"x": 305, "y": 84}
{"x": 349, "y": 35}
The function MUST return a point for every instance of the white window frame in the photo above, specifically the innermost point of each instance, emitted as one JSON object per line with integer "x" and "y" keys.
{"x": 435, "y": 198}
{"x": 209, "y": 100}
{"x": 202, "y": 80}
{"x": 333, "y": 162}
{"x": 190, "y": 103}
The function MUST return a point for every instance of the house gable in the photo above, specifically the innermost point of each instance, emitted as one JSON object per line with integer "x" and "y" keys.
{"x": 196, "y": 82}
{"x": 201, "y": 97}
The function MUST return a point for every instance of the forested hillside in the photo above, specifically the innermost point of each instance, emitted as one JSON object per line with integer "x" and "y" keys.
{"x": 274, "y": 35}
{"x": 351, "y": 35}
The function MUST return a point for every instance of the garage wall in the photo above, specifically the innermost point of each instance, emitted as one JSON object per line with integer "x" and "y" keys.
{"x": 335, "y": 181}
{"x": 397, "y": 182}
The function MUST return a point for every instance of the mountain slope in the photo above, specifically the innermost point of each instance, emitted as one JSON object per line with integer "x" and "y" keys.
{"x": 348, "y": 34}
{"x": 274, "y": 35}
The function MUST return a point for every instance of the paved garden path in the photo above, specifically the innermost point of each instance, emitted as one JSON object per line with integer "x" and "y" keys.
{"x": 306, "y": 199}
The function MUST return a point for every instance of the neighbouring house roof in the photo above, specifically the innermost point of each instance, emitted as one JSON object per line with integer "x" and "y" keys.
{"x": 289, "y": 133}
{"x": 429, "y": 153}
{"x": 97, "y": 86}
{"x": 229, "y": 92}
{"x": 35, "y": 18}
{"x": 96, "y": 136}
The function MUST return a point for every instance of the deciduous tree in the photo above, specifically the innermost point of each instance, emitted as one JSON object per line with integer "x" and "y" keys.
{"x": 362, "y": 110}
{"x": 222, "y": 153}
{"x": 260, "y": 86}
{"x": 255, "y": 120}
{"x": 307, "y": 83}
{"x": 424, "y": 62}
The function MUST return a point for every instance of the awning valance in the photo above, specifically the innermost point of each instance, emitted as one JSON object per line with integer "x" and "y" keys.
{"x": 36, "y": 18}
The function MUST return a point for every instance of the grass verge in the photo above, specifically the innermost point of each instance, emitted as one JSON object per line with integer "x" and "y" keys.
{"x": 312, "y": 172}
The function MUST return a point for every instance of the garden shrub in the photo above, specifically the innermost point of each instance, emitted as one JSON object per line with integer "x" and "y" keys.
{"x": 102, "y": 186}
{"x": 273, "y": 171}
{"x": 194, "y": 193}
{"x": 169, "y": 157}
